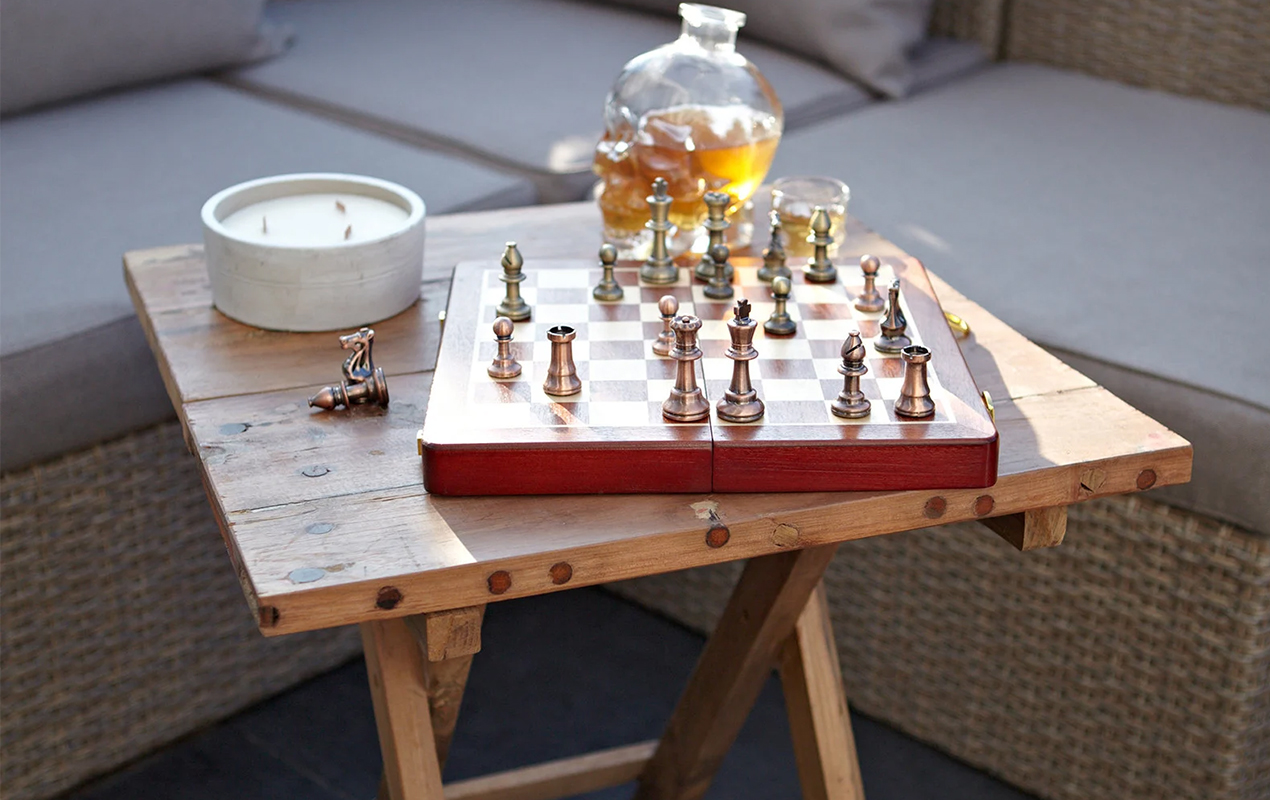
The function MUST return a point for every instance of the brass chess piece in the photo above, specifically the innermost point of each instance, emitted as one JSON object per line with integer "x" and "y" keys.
{"x": 740, "y": 401}
{"x": 774, "y": 254}
{"x": 892, "y": 340}
{"x": 363, "y": 383}
{"x": 716, "y": 223}
{"x": 914, "y": 401}
{"x": 660, "y": 267}
{"x": 780, "y": 323}
{"x": 562, "y": 375}
{"x": 608, "y": 289}
{"x": 851, "y": 402}
{"x": 870, "y": 300}
{"x": 819, "y": 268}
{"x": 719, "y": 288}
{"x": 504, "y": 364}
{"x": 668, "y": 307}
{"x": 513, "y": 305}
{"x": 686, "y": 402}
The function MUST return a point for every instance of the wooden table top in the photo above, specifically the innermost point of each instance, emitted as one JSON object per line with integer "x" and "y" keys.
{"x": 327, "y": 523}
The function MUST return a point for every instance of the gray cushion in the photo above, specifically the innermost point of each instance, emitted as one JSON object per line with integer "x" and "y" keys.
{"x": 87, "y": 182}
{"x": 1124, "y": 226}
{"x": 56, "y": 49}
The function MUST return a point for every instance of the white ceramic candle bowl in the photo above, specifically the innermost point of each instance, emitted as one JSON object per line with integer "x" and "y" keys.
{"x": 314, "y": 252}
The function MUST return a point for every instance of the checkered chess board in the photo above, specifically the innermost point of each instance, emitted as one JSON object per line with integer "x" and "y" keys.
{"x": 624, "y": 383}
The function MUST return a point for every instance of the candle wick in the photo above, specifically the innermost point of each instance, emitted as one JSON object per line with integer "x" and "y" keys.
{"x": 340, "y": 206}
{"x": 348, "y": 231}
{"x": 264, "y": 224}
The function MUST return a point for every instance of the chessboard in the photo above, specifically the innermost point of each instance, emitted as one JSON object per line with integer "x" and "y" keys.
{"x": 486, "y": 436}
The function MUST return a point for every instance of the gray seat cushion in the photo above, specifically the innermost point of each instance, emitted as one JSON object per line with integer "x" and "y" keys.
{"x": 1125, "y": 228}
{"x": 86, "y": 182}
{"x": 517, "y": 82}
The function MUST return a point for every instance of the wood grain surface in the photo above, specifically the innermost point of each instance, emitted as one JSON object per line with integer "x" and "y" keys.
{"x": 322, "y": 512}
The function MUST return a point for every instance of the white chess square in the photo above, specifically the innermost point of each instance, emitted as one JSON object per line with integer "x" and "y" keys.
{"x": 659, "y": 389}
{"x": 792, "y": 389}
{"x": 720, "y": 369}
{"x": 564, "y": 278}
{"x": 550, "y": 315}
{"x": 617, "y": 370}
{"x": 492, "y": 297}
{"x": 618, "y": 414}
{"x": 827, "y": 329}
{"x": 776, "y": 347}
{"x": 827, "y": 368}
{"x": 539, "y": 397}
{"x": 811, "y": 293}
{"x": 715, "y": 329}
{"x": 615, "y": 331}
{"x": 648, "y": 312}
{"x": 510, "y": 415}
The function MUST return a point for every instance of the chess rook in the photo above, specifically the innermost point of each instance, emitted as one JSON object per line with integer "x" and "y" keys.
{"x": 562, "y": 375}
{"x": 686, "y": 402}
{"x": 819, "y": 268}
{"x": 870, "y": 300}
{"x": 504, "y": 365}
{"x": 668, "y": 307}
{"x": 513, "y": 306}
{"x": 659, "y": 268}
{"x": 914, "y": 401}
{"x": 892, "y": 339}
{"x": 740, "y": 402}
{"x": 781, "y": 323}
{"x": 719, "y": 288}
{"x": 851, "y": 402}
{"x": 608, "y": 290}
{"x": 716, "y": 223}
{"x": 774, "y": 254}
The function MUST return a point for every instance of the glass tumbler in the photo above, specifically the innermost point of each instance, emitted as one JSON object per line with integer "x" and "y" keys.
{"x": 796, "y": 198}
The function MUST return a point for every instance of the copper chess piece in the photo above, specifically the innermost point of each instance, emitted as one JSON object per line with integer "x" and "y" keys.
{"x": 719, "y": 288}
{"x": 851, "y": 402}
{"x": 740, "y": 401}
{"x": 660, "y": 267}
{"x": 504, "y": 365}
{"x": 819, "y": 268}
{"x": 608, "y": 290}
{"x": 781, "y": 323}
{"x": 513, "y": 305}
{"x": 363, "y": 384}
{"x": 668, "y": 307}
{"x": 892, "y": 340}
{"x": 562, "y": 375}
{"x": 914, "y": 401}
{"x": 774, "y": 254}
{"x": 686, "y": 402}
{"x": 716, "y": 223}
{"x": 870, "y": 300}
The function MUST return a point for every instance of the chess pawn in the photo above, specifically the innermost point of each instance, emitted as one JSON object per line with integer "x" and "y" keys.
{"x": 740, "y": 402}
{"x": 914, "y": 401}
{"x": 780, "y": 323}
{"x": 716, "y": 223}
{"x": 608, "y": 290}
{"x": 562, "y": 375}
{"x": 719, "y": 288}
{"x": 870, "y": 300}
{"x": 893, "y": 324}
{"x": 668, "y": 307}
{"x": 686, "y": 402}
{"x": 851, "y": 402}
{"x": 659, "y": 268}
{"x": 504, "y": 365}
{"x": 774, "y": 254}
{"x": 819, "y": 268}
{"x": 513, "y": 305}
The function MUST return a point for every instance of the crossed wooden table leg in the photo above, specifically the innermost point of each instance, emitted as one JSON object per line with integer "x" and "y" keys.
{"x": 777, "y": 616}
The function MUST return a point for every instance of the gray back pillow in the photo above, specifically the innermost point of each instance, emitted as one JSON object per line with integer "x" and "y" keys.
{"x": 53, "y": 50}
{"x": 866, "y": 40}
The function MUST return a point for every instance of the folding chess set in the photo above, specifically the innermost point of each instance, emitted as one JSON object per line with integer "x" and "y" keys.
{"x": 569, "y": 377}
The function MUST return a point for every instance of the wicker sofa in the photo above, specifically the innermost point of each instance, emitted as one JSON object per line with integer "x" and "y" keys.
{"x": 1151, "y": 624}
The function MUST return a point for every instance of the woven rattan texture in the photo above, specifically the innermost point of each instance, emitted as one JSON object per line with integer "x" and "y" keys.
{"x": 124, "y": 626}
{"x": 1131, "y": 662}
{"x": 1215, "y": 49}
{"x": 979, "y": 21}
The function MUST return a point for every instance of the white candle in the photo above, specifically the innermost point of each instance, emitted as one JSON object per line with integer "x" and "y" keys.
{"x": 316, "y": 220}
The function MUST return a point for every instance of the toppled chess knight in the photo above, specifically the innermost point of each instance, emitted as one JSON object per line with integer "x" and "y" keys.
{"x": 363, "y": 384}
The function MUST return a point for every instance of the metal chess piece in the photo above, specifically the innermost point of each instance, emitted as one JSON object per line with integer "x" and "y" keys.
{"x": 686, "y": 402}
{"x": 914, "y": 401}
{"x": 774, "y": 254}
{"x": 893, "y": 324}
{"x": 504, "y": 364}
{"x": 870, "y": 300}
{"x": 820, "y": 269}
{"x": 740, "y": 402}
{"x": 780, "y": 323}
{"x": 719, "y": 288}
{"x": 851, "y": 402}
{"x": 716, "y": 223}
{"x": 513, "y": 305}
{"x": 363, "y": 383}
{"x": 562, "y": 375}
{"x": 668, "y": 307}
{"x": 659, "y": 268}
{"x": 608, "y": 289}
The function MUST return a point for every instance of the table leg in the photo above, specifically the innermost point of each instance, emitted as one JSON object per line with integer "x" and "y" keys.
{"x": 736, "y": 662}
{"x": 817, "y": 706}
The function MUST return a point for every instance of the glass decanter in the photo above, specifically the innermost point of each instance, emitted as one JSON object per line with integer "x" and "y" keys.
{"x": 694, "y": 112}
